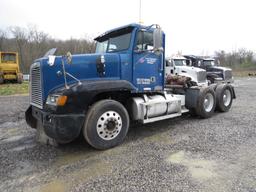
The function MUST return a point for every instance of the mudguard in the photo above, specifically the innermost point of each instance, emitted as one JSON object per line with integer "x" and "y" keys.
{"x": 31, "y": 121}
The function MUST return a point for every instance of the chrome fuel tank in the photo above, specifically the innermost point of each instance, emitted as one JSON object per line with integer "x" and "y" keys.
{"x": 153, "y": 106}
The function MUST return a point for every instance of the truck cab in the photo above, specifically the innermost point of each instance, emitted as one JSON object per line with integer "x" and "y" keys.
{"x": 97, "y": 95}
{"x": 179, "y": 65}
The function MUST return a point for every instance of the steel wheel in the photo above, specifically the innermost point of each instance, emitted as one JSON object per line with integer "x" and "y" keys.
{"x": 226, "y": 97}
{"x": 208, "y": 102}
{"x": 109, "y": 125}
{"x": 106, "y": 124}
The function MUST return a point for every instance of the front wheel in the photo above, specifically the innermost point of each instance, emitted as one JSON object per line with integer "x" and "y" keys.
{"x": 224, "y": 97}
{"x": 106, "y": 124}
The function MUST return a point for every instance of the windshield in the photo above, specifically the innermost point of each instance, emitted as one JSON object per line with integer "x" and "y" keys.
{"x": 8, "y": 57}
{"x": 208, "y": 62}
{"x": 113, "y": 44}
{"x": 179, "y": 62}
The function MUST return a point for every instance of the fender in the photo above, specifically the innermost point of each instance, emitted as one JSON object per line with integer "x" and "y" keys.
{"x": 80, "y": 96}
{"x": 101, "y": 86}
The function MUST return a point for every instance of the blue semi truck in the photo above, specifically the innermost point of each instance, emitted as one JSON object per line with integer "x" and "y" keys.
{"x": 98, "y": 95}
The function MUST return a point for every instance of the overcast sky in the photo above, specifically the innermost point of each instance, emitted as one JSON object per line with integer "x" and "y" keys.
{"x": 191, "y": 26}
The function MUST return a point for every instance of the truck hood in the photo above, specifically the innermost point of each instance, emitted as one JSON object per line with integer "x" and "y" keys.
{"x": 83, "y": 67}
{"x": 221, "y": 68}
{"x": 218, "y": 69}
{"x": 196, "y": 74}
{"x": 188, "y": 68}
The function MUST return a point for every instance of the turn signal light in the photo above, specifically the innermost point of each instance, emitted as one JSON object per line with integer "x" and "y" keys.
{"x": 61, "y": 101}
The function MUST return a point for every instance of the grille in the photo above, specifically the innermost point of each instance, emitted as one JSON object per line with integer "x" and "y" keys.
{"x": 228, "y": 74}
{"x": 201, "y": 76}
{"x": 36, "y": 97}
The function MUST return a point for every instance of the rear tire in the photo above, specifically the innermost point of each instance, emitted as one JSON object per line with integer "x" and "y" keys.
{"x": 206, "y": 103}
{"x": 224, "y": 97}
{"x": 106, "y": 124}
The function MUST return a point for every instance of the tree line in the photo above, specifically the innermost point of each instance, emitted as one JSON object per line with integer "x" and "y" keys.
{"x": 32, "y": 43}
{"x": 240, "y": 59}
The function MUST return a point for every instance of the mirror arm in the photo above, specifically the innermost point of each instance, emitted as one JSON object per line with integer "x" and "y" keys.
{"x": 79, "y": 82}
{"x": 64, "y": 72}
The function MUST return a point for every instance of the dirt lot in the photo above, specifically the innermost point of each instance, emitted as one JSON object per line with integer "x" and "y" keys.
{"x": 182, "y": 154}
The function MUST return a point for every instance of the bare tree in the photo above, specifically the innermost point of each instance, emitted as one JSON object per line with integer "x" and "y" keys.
{"x": 2, "y": 39}
{"x": 20, "y": 35}
{"x": 242, "y": 58}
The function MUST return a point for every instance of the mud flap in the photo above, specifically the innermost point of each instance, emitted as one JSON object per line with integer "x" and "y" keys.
{"x": 42, "y": 138}
{"x": 31, "y": 121}
{"x": 233, "y": 91}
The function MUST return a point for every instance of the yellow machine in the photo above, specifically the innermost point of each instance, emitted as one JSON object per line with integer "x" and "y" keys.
{"x": 9, "y": 67}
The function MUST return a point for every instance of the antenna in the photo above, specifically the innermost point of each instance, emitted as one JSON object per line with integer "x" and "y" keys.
{"x": 140, "y": 21}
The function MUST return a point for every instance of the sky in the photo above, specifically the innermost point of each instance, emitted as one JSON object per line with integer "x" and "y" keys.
{"x": 191, "y": 26}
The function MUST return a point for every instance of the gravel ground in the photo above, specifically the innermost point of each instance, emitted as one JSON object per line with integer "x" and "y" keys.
{"x": 182, "y": 154}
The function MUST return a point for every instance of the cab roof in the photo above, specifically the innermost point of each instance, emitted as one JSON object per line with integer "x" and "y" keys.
{"x": 8, "y": 52}
{"x": 115, "y": 31}
{"x": 178, "y": 57}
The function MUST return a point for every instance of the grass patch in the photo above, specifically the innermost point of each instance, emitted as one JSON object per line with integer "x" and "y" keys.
{"x": 14, "y": 89}
{"x": 244, "y": 73}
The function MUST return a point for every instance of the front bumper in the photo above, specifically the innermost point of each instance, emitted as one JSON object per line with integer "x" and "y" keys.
{"x": 62, "y": 127}
{"x": 221, "y": 80}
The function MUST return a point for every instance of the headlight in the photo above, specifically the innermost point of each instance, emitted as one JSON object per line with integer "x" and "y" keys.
{"x": 56, "y": 100}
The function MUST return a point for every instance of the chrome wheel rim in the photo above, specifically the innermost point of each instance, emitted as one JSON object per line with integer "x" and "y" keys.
{"x": 109, "y": 125}
{"x": 226, "y": 97}
{"x": 208, "y": 102}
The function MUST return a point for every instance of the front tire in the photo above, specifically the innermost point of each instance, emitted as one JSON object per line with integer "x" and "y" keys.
{"x": 224, "y": 97}
{"x": 106, "y": 124}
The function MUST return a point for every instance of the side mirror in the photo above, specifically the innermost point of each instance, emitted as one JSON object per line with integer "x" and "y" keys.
{"x": 158, "y": 39}
{"x": 188, "y": 62}
{"x": 69, "y": 57}
{"x": 172, "y": 63}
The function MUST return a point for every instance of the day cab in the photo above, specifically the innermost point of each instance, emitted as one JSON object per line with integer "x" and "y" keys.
{"x": 98, "y": 95}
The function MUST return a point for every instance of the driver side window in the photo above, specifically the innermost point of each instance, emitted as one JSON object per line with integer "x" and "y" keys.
{"x": 169, "y": 63}
{"x": 144, "y": 41}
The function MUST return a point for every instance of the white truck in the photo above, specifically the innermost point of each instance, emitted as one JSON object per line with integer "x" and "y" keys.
{"x": 178, "y": 65}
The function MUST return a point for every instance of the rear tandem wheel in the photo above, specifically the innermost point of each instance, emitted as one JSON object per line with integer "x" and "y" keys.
{"x": 206, "y": 103}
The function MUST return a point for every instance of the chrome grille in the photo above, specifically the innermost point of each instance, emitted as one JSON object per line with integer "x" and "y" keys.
{"x": 201, "y": 76}
{"x": 36, "y": 96}
{"x": 228, "y": 74}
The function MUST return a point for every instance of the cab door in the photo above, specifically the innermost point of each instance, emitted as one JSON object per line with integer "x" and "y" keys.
{"x": 169, "y": 67}
{"x": 147, "y": 65}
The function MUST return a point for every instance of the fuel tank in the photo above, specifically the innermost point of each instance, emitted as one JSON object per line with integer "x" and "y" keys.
{"x": 155, "y": 105}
